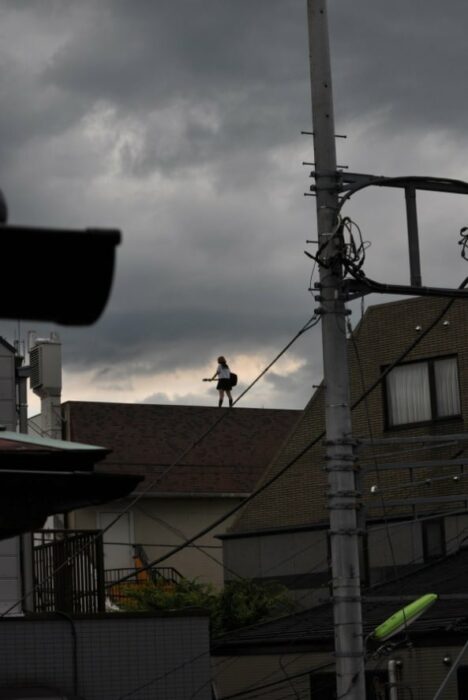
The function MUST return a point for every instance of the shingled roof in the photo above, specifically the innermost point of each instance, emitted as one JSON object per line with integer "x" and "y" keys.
{"x": 313, "y": 628}
{"x": 146, "y": 438}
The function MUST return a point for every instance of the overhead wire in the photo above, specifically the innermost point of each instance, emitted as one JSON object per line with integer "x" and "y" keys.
{"x": 183, "y": 537}
{"x": 425, "y": 482}
{"x": 407, "y": 576}
{"x": 372, "y": 606}
{"x": 366, "y": 589}
{"x": 162, "y": 676}
{"x": 269, "y": 482}
{"x": 376, "y": 466}
{"x": 313, "y": 321}
{"x": 162, "y": 544}
{"x": 366, "y": 393}
{"x": 369, "y": 424}
{"x": 314, "y": 441}
{"x": 407, "y": 351}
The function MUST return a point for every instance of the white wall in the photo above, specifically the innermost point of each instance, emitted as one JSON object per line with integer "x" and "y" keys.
{"x": 163, "y": 523}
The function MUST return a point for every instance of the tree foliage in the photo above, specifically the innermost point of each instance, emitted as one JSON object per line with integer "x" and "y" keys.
{"x": 239, "y": 604}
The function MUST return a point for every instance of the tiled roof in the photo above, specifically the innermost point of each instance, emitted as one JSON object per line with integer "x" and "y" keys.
{"x": 315, "y": 626}
{"x": 449, "y": 614}
{"x": 446, "y": 576}
{"x": 145, "y": 439}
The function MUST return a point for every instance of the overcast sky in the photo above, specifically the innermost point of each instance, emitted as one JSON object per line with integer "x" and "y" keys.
{"x": 178, "y": 121}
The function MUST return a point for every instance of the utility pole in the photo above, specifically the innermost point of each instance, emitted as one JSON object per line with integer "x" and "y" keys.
{"x": 343, "y": 499}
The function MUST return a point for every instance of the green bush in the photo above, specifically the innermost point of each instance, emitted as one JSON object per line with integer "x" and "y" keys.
{"x": 239, "y": 604}
{"x": 245, "y": 602}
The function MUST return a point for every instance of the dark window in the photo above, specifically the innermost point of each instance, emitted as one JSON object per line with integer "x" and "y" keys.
{"x": 462, "y": 682}
{"x": 418, "y": 392}
{"x": 323, "y": 686}
{"x": 433, "y": 534}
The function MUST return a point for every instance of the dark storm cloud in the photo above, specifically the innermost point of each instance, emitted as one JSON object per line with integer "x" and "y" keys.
{"x": 143, "y": 54}
{"x": 163, "y": 340}
{"x": 177, "y": 121}
{"x": 405, "y": 58}
{"x": 186, "y": 60}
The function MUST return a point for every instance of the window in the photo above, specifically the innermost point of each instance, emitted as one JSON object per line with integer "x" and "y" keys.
{"x": 462, "y": 682}
{"x": 418, "y": 392}
{"x": 433, "y": 536}
{"x": 323, "y": 685}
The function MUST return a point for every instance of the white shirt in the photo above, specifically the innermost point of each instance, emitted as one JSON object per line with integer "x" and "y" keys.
{"x": 223, "y": 372}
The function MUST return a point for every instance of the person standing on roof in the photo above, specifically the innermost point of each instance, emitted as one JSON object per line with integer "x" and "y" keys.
{"x": 224, "y": 380}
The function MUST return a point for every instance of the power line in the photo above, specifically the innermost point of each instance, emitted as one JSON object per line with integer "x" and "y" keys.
{"x": 161, "y": 544}
{"x": 363, "y": 397}
{"x": 270, "y": 481}
{"x": 313, "y": 321}
{"x": 252, "y": 689}
{"x": 425, "y": 482}
{"x": 183, "y": 536}
{"x": 371, "y": 437}
{"x": 161, "y": 676}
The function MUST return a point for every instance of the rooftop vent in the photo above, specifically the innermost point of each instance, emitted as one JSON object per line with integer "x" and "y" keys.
{"x": 45, "y": 358}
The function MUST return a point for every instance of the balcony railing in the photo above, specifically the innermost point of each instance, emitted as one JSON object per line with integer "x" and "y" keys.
{"x": 69, "y": 574}
{"x": 68, "y": 571}
{"x": 119, "y": 582}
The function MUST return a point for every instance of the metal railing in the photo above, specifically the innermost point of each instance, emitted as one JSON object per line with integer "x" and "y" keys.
{"x": 119, "y": 592}
{"x": 68, "y": 571}
{"x": 69, "y": 574}
{"x": 165, "y": 574}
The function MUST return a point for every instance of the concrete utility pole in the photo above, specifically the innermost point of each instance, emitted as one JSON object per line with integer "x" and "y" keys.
{"x": 340, "y": 460}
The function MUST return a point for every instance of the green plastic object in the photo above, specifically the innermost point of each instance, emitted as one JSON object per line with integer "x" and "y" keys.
{"x": 404, "y": 617}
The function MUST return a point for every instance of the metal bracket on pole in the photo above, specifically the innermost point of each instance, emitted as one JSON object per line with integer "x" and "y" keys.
{"x": 346, "y": 494}
{"x": 349, "y": 183}
{"x": 341, "y": 457}
{"x": 344, "y": 506}
{"x": 355, "y": 288}
{"x": 350, "y": 531}
{"x": 341, "y": 468}
{"x": 343, "y": 441}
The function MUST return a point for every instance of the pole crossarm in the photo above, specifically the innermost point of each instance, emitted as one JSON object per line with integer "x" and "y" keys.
{"x": 356, "y": 288}
{"x": 352, "y": 182}
{"x": 423, "y": 464}
{"x": 348, "y": 183}
{"x": 444, "y": 440}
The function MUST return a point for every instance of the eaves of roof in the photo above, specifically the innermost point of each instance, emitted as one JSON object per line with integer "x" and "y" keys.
{"x": 40, "y": 477}
{"x": 31, "y": 452}
{"x": 32, "y": 496}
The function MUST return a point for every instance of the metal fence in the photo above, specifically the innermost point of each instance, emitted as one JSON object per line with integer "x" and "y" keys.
{"x": 68, "y": 571}
{"x": 117, "y": 589}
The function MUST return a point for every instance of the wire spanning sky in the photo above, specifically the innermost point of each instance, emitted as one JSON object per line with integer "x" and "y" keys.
{"x": 178, "y": 121}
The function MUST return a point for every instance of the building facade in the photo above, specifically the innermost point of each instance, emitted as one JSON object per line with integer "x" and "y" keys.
{"x": 412, "y": 480}
{"x": 196, "y": 462}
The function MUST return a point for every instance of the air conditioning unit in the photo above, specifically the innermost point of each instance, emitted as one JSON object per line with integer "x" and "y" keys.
{"x": 45, "y": 359}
